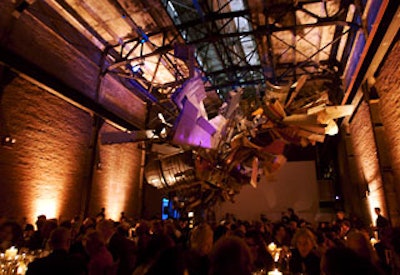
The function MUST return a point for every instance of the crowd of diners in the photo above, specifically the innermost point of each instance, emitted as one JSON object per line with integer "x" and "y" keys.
{"x": 98, "y": 245}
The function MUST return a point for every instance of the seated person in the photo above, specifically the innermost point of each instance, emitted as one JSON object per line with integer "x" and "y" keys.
{"x": 230, "y": 255}
{"x": 58, "y": 261}
{"x": 304, "y": 257}
{"x": 261, "y": 258}
{"x": 201, "y": 243}
{"x": 101, "y": 260}
{"x": 345, "y": 261}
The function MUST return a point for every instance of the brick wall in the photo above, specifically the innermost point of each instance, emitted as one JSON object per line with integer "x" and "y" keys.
{"x": 377, "y": 142}
{"x": 47, "y": 169}
{"x": 388, "y": 87}
{"x": 117, "y": 182}
{"x": 353, "y": 185}
{"x": 366, "y": 159}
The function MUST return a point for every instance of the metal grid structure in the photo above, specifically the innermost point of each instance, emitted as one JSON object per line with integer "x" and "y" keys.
{"x": 235, "y": 43}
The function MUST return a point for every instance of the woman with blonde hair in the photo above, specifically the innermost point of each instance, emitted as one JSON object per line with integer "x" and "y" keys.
{"x": 304, "y": 257}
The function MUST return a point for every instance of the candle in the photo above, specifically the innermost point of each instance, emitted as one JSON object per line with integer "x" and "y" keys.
{"x": 277, "y": 254}
{"x": 11, "y": 253}
{"x": 274, "y": 272}
{"x": 22, "y": 268}
{"x": 272, "y": 247}
{"x": 373, "y": 241}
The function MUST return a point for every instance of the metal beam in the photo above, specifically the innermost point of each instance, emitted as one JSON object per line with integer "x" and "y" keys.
{"x": 234, "y": 84}
{"x": 315, "y": 53}
{"x": 40, "y": 77}
{"x": 338, "y": 30}
{"x": 145, "y": 39}
{"x": 212, "y": 17}
{"x": 220, "y": 53}
{"x": 380, "y": 38}
{"x": 261, "y": 30}
{"x": 267, "y": 29}
{"x": 236, "y": 68}
{"x": 347, "y": 50}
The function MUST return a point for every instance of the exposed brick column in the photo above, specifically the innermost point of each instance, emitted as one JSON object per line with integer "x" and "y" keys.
{"x": 353, "y": 185}
{"x": 366, "y": 159}
{"x": 388, "y": 88}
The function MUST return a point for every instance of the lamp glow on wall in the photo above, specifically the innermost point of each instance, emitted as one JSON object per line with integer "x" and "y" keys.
{"x": 114, "y": 198}
{"x": 46, "y": 189}
{"x": 115, "y": 180}
{"x": 46, "y": 206}
{"x": 375, "y": 198}
{"x": 49, "y": 190}
{"x": 45, "y": 197}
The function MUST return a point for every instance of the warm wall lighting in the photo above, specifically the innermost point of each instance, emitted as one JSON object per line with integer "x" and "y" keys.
{"x": 374, "y": 200}
{"x": 46, "y": 206}
{"x": 115, "y": 188}
{"x": 42, "y": 195}
{"x": 47, "y": 168}
{"x": 114, "y": 185}
{"x": 114, "y": 198}
{"x": 46, "y": 197}
{"x": 364, "y": 146}
{"x": 50, "y": 184}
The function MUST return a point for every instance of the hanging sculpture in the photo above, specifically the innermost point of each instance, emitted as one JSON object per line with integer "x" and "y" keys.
{"x": 235, "y": 147}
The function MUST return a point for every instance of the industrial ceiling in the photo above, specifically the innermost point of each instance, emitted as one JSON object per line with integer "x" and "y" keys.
{"x": 286, "y": 63}
{"x": 232, "y": 43}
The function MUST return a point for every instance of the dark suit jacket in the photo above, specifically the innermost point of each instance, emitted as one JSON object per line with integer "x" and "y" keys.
{"x": 58, "y": 262}
{"x": 311, "y": 263}
{"x": 123, "y": 251}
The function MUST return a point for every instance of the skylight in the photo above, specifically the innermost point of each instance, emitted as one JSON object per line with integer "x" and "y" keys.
{"x": 243, "y": 25}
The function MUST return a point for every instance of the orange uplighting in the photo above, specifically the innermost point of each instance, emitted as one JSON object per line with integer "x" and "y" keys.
{"x": 116, "y": 184}
{"x": 114, "y": 198}
{"x": 46, "y": 206}
{"x": 365, "y": 148}
{"x": 45, "y": 197}
{"x": 372, "y": 203}
{"x": 49, "y": 153}
{"x": 375, "y": 199}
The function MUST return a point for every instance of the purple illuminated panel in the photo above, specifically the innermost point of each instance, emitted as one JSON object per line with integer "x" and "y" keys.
{"x": 192, "y": 126}
{"x": 190, "y": 129}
